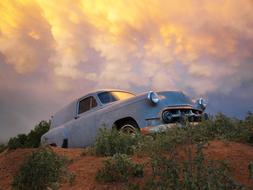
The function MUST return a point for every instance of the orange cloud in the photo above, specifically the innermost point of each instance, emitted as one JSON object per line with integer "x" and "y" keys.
{"x": 152, "y": 44}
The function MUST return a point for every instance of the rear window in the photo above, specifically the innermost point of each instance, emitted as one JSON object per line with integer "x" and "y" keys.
{"x": 86, "y": 104}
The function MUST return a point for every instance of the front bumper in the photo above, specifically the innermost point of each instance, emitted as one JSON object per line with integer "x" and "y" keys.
{"x": 162, "y": 127}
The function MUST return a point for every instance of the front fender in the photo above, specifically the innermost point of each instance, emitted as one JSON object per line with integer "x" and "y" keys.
{"x": 140, "y": 111}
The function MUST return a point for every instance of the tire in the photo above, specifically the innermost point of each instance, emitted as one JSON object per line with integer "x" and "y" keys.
{"x": 65, "y": 143}
{"x": 129, "y": 127}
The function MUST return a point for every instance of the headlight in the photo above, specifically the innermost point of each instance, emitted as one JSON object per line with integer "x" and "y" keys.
{"x": 167, "y": 117}
{"x": 202, "y": 103}
{"x": 153, "y": 97}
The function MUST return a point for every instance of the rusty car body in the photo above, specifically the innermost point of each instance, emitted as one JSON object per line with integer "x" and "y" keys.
{"x": 77, "y": 124}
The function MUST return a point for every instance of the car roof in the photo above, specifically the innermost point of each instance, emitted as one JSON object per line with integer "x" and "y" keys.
{"x": 72, "y": 104}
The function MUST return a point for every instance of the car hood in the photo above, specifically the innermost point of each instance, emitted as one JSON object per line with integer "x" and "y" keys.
{"x": 174, "y": 98}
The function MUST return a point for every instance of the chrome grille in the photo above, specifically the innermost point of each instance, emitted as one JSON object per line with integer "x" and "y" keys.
{"x": 180, "y": 115}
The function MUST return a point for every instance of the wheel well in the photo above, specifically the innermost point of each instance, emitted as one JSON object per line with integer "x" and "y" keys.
{"x": 119, "y": 122}
{"x": 53, "y": 144}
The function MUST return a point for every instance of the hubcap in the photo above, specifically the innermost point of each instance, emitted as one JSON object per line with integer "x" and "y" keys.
{"x": 129, "y": 129}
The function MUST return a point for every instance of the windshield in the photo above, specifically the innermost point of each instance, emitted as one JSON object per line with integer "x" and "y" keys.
{"x": 107, "y": 97}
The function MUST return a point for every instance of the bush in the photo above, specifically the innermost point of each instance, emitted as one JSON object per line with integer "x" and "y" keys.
{"x": 249, "y": 119}
{"x": 3, "y": 147}
{"x": 193, "y": 173}
{"x": 42, "y": 169}
{"x": 110, "y": 142}
{"x": 17, "y": 142}
{"x": 160, "y": 142}
{"x": 217, "y": 127}
{"x": 248, "y": 123}
{"x": 168, "y": 140}
{"x": 32, "y": 140}
{"x": 250, "y": 168}
{"x": 119, "y": 168}
{"x": 223, "y": 127}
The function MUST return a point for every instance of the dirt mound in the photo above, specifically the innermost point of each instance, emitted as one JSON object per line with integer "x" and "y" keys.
{"x": 238, "y": 155}
{"x": 9, "y": 164}
{"x": 85, "y": 167}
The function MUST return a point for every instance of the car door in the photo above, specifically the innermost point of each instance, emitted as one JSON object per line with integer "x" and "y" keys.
{"x": 82, "y": 131}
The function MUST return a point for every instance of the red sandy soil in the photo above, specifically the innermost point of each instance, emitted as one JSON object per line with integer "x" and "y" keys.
{"x": 86, "y": 166}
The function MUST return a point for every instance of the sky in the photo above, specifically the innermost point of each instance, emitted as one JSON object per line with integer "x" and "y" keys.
{"x": 52, "y": 52}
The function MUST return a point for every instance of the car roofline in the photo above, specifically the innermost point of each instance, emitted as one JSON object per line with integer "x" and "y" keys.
{"x": 92, "y": 93}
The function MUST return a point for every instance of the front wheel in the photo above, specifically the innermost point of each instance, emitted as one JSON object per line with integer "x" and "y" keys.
{"x": 129, "y": 127}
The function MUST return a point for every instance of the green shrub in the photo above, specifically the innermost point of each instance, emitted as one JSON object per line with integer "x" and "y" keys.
{"x": 161, "y": 142}
{"x": 3, "y": 147}
{"x": 17, "y": 142}
{"x": 217, "y": 127}
{"x": 132, "y": 186}
{"x": 42, "y": 169}
{"x": 119, "y": 168}
{"x": 193, "y": 173}
{"x": 32, "y": 140}
{"x": 250, "y": 168}
{"x": 249, "y": 119}
{"x": 110, "y": 142}
{"x": 168, "y": 140}
{"x": 248, "y": 124}
{"x": 223, "y": 127}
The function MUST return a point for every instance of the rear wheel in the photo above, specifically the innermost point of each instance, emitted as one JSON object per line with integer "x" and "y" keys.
{"x": 65, "y": 143}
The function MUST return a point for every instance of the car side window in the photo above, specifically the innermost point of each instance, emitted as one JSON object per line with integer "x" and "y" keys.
{"x": 86, "y": 104}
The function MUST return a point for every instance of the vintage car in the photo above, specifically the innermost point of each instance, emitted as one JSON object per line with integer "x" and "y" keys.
{"x": 77, "y": 124}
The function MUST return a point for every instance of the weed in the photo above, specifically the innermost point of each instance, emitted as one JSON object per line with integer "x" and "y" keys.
{"x": 17, "y": 142}
{"x": 3, "y": 147}
{"x": 110, "y": 142}
{"x": 32, "y": 140}
{"x": 250, "y": 168}
{"x": 119, "y": 168}
{"x": 194, "y": 173}
{"x": 71, "y": 177}
{"x": 223, "y": 127}
{"x": 42, "y": 169}
{"x": 131, "y": 186}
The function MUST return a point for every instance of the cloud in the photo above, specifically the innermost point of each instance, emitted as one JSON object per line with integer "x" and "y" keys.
{"x": 129, "y": 37}
{"x": 57, "y": 50}
{"x": 25, "y": 35}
